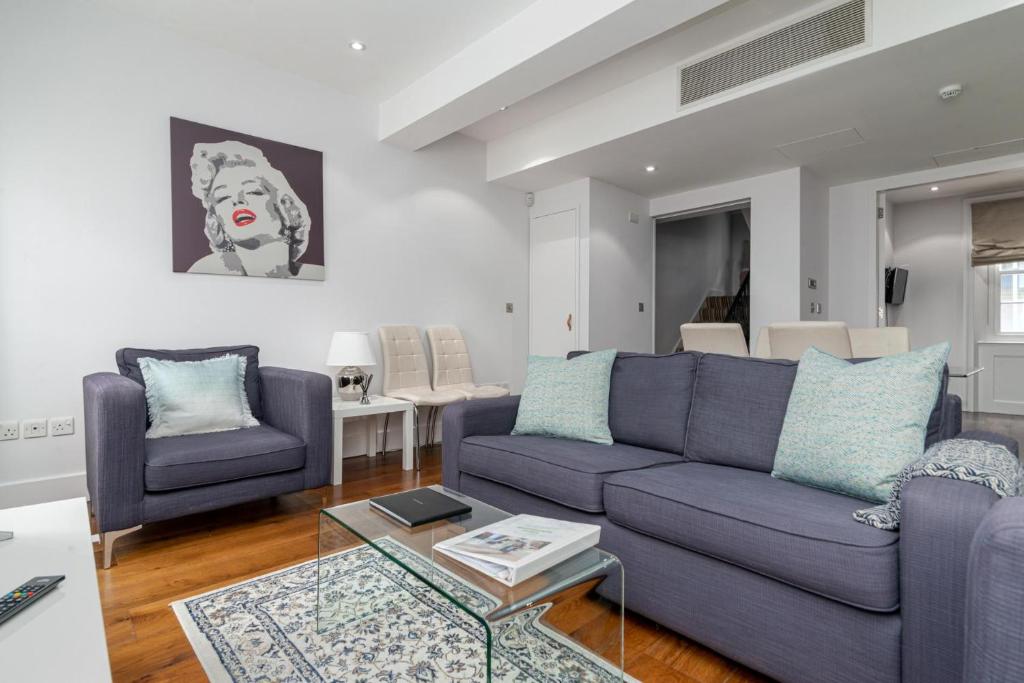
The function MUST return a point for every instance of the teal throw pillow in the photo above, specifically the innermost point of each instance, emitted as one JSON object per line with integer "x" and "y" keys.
{"x": 195, "y": 397}
{"x": 851, "y": 427}
{"x": 567, "y": 398}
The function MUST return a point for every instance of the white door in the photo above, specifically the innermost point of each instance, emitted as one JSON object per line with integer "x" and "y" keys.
{"x": 554, "y": 284}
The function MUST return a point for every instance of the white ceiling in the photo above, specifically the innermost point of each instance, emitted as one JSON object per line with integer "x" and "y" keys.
{"x": 889, "y": 97}
{"x": 728, "y": 21}
{"x": 988, "y": 183}
{"x": 405, "y": 38}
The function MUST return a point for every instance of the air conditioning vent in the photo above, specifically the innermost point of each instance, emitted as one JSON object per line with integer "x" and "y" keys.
{"x": 823, "y": 34}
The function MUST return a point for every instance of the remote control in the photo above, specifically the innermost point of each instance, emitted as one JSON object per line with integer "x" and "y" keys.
{"x": 25, "y": 594}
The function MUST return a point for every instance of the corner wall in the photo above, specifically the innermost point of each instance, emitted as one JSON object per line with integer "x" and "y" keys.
{"x": 621, "y": 266}
{"x": 85, "y": 265}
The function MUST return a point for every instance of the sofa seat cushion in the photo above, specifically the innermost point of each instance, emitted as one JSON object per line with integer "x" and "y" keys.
{"x": 802, "y": 536}
{"x": 568, "y": 472}
{"x": 177, "y": 462}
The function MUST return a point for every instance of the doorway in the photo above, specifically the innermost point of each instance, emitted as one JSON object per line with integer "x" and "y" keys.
{"x": 554, "y": 283}
{"x": 701, "y": 271}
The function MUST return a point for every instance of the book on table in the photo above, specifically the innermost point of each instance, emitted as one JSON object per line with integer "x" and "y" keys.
{"x": 520, "y": 547}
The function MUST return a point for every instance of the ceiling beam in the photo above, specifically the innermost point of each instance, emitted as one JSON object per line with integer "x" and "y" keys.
{"x": 551, "y": 151}
{"x": 547, "y": 42}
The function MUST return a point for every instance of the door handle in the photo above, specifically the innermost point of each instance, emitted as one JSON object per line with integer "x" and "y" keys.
{"x": 568, "y": 322}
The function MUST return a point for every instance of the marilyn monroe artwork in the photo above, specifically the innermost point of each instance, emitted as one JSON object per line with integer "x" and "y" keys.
{"x": 242, "y": 205}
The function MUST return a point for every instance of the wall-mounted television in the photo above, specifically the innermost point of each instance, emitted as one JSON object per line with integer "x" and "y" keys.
{"x": 895, "y": 285}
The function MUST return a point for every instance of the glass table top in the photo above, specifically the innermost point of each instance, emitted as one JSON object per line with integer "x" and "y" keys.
{"x": 395, "y": 541}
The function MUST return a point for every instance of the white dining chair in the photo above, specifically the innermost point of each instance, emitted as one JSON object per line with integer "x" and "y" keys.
{"x": 875, "y": 342}
{"x": 725, "y": 338}
{"x": 452, "y": 369}
{"x": 406, "y": 376}
{"x": 790, "y": 340}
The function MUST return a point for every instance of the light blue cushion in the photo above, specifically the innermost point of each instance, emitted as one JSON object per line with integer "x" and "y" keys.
{"x": 851, "y": 428}
{"x": 567, "y": 398}
{"x": 195, "y": 397}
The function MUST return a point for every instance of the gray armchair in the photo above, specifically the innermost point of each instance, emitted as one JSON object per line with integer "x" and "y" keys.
{"x": 134, "y": 481}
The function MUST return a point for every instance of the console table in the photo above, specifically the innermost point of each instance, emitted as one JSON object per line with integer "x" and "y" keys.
{"x": 379, "y": 405}
{"x": 61, "y": 637}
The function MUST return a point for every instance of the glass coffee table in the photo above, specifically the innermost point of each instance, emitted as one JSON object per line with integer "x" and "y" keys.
{"x": 553, "y": 626}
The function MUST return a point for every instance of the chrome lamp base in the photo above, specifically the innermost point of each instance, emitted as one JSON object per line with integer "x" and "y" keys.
{"x": 353, "y": 384}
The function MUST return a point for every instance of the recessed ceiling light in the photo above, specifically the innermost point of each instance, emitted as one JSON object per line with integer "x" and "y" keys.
{"x": 651, "y": 168}
{"x": 934, "y": 188}
{"x": 503, "y": 108}
{"x": 357, "y": 45}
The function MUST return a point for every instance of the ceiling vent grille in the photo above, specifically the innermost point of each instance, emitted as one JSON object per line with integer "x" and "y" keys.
{"x": 823, "y": 34}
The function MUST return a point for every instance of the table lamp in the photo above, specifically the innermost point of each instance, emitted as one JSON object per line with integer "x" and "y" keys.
{"x": 351, "y": 352}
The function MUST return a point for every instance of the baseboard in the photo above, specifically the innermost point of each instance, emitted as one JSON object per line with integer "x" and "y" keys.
{"x": 42, "y": 490}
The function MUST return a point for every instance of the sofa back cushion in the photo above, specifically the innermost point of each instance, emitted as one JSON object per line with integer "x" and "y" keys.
{"x": 128, "y": 365}
{"x": 739, "y": 405}
{"x": 649, "y": 400}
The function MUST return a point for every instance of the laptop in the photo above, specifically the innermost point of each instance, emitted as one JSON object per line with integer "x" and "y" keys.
{"x": 419, "y": 506}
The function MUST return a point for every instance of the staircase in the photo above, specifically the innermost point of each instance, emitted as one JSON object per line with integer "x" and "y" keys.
{"x": 726, "y": 309}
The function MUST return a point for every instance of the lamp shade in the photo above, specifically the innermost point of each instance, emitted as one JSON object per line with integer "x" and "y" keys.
{"x": 350, "y": 348}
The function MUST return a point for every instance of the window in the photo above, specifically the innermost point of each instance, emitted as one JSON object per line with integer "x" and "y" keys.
{"x": 1011, "y": 297}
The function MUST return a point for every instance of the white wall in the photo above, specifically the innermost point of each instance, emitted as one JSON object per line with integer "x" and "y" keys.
{"x": 813, "y": 245}
{"x": 693, "y": 260}
{"x": 928, "y": 238}
{"x": 85, "y": 265}
{"x": 621, "y": 261}
{"x": 775, "y": 226}
{"x": 853, "y": 250}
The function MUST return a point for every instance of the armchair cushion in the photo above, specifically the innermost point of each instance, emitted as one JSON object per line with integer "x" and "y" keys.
{"x": 128, "y": 365}
{"x": 177, "y": 462}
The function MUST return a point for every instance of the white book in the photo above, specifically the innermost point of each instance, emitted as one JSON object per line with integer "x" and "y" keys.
{"x": 519, "y": 547}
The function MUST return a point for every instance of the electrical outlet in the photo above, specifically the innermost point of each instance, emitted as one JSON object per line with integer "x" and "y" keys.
{"x": 508, "y": 308}
{"x": 33, "y": 429}
{"x": 8, "y": 430}
{"x": 62, "y": 426}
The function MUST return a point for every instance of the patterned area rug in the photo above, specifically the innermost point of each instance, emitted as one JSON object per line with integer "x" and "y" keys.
{"x": 389, "y": 627}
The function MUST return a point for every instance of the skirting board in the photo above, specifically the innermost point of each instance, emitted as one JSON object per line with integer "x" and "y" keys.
{"x": 42, "y": 490}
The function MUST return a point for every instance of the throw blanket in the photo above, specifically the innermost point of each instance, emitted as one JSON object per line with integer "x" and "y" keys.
{"x": 979, "y": 462}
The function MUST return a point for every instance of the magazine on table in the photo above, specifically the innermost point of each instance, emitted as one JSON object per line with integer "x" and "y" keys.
{"x": 520, "y": 547}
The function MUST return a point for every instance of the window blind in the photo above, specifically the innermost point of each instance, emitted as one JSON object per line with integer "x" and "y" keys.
{"x": 998, "y": 232}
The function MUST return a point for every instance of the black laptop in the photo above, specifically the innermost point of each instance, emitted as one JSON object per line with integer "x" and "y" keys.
{"x": 419, "y": 506}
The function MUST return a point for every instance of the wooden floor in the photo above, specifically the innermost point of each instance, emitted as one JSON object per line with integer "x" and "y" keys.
{"x": 180, "y": 558}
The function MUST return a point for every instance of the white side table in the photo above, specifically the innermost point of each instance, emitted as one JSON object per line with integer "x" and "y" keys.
{"x": 379, "y": 405}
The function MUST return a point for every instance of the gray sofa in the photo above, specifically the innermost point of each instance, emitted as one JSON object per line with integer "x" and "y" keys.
{"x": 133, "y": 480}
{"x": 772, "y": 574}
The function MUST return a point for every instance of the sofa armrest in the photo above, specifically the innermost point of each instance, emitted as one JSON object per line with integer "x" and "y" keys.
{"x": 939, "y": 518}
{"x": 981, "y": 435}
{"x": 115, "y": 448}
{"x": 952, "y": 416}
{"x": 299, "y": 403}
{"x": 995, "y": 620}
{"x": 484, "y": 417}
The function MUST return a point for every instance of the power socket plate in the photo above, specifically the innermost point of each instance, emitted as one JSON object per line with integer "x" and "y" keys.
{"x": 9, "y": 430}
{"x": 62, "y": 426}
{"x": 33, "y": 429}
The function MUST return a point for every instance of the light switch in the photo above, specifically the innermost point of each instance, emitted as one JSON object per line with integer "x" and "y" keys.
{"x": 641, "y": 306}
{"x": 508, "y": 307}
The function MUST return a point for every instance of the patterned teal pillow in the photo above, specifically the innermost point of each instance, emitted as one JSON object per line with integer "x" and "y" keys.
{"x": 567, "y": 398}
{"x": 851, "y": 427}
{"x": 196, "y": 396}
